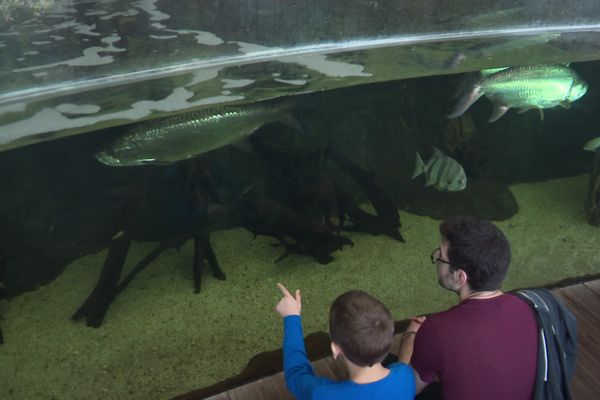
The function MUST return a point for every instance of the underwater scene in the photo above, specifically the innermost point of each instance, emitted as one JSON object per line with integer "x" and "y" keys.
{"x": 166, "y": 164}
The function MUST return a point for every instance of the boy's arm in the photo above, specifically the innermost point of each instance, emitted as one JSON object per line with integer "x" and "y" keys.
{"x": 407, "y": 342}
{"x": 407, "y": 339}
{"x": 299, "y": 375}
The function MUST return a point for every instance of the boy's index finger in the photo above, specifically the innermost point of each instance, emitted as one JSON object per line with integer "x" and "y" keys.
{"x": 283, "y": 289}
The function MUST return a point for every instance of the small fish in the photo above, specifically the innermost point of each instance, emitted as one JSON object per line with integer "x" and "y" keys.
{"x": 167, "y": 140}
{"x": 526, "y": 87}
{"x": 592, "y": 145}
{"x": 441, "y": 171}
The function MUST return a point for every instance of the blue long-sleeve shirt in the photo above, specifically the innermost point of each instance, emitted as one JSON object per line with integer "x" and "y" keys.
{"x": 301, "y": 380}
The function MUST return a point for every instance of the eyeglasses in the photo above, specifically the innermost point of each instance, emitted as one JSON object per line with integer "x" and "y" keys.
{"x": 436, "y": 257}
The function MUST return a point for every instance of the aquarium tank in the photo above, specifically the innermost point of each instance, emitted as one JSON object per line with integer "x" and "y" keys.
{"x": 166, "y": 163}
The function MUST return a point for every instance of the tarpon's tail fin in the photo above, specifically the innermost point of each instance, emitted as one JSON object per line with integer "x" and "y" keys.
{"x": 419, "y": 167}
{"x": 466, "y": 83}
{"x": 466, "y": 100}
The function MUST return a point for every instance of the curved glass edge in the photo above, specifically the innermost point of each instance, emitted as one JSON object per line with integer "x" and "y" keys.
{"x": 76, "y": 66}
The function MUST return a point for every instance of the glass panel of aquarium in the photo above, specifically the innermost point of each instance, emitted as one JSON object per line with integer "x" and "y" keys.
{"x": 73, "y": 66}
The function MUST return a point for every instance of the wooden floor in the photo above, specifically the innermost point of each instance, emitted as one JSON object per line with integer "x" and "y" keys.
{"x": 583, "y": 299}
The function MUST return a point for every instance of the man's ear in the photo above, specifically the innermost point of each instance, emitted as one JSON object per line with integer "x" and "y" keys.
{"x": 462, "y": 277}
{"x": 335, "y": 350}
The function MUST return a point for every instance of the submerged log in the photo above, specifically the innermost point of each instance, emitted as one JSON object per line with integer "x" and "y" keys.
{"x": 108, "y": 286}
{"x": 198, "y": 197}
{"x": 387, "y": 220}
{"x": 95, "y": 307}
{"x": 203, "y": 250}
{"x": 318, "y": 246}
{"x": 363, "y": 221}
{"x": 308, "y": 236}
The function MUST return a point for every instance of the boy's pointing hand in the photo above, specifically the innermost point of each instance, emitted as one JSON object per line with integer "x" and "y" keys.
{"x": 288, "y": 305}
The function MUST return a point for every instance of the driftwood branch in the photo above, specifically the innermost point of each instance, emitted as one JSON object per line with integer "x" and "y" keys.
{"x": 96, "y": 305}
{"x": 387, "y": 220}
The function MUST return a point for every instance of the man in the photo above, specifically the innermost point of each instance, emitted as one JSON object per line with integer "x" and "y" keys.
{"x": 486, "y": 346}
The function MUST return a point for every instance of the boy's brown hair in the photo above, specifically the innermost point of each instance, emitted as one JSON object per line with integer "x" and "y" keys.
{"x": 362, "y": 327}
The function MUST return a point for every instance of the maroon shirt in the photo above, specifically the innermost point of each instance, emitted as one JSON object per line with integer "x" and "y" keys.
{"x": 480, "y": 349}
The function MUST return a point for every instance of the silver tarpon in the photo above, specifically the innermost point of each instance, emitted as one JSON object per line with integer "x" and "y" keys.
{"x": 593, "y": 145}
{"x": 167, "y": 140}
{"x": 524, "y": 87}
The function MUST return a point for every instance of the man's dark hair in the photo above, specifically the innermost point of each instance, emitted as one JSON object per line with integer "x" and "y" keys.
{"x": 479, "y": 248}
{"x": 362, "y": 327}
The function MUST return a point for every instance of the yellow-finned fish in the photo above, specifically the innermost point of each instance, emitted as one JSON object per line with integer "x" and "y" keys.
{"x": 167, "y": 140}
{"x": 525, "y": 87}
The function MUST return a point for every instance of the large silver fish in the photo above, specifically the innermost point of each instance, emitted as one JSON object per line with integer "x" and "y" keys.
{"x": 179, "y": 137}
{"x": 592, "y": 145}
{"x": 441, "y": 171}
{"x": 526, "y": 87}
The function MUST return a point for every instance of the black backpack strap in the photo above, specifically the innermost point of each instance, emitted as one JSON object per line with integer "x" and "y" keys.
{"x": 542, "y": 355}
{"x": 558, "y": 344}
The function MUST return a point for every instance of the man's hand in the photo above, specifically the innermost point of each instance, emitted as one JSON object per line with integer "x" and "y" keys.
{"x": 415, "y": 323}
{"x": 288, "y": 305}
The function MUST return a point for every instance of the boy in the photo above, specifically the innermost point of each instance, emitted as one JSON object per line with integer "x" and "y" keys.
{"x": 362, "y": 331}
